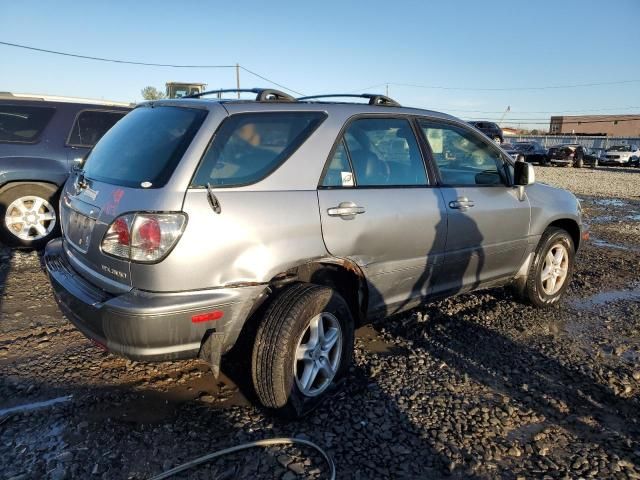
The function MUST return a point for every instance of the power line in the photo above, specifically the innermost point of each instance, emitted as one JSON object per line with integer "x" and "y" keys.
{"x": 145, "y": 64}
{"x": 542, "y": 111}
{"x": 271, "y": 81}
{"x": 527, "y": 121}
{"x": 509, "y": 89}
{"x": 112, "y": 60}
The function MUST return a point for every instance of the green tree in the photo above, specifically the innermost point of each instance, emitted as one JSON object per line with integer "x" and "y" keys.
{"x": 151, "y": 93}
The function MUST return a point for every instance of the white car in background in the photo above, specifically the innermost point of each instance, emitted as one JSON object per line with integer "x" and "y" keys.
{"x": 622, "y": 155}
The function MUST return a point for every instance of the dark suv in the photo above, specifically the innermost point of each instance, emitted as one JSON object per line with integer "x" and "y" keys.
{"x": 41, "y": 138}
{"x": 490, "y": 129}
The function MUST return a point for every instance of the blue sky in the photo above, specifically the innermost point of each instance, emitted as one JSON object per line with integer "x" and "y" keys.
{"x": 340, "y": 46}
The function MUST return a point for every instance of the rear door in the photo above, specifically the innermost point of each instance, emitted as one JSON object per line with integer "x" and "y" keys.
{"x": 379, "y": 208}
{"x": 488, "y": 226}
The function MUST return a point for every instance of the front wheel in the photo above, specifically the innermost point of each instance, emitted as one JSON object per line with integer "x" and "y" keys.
{"x": 304, "y": 344}
{"x": 498, "y": 140}
{"x": 29, "y": 216}
{"x": 551, "y": 269}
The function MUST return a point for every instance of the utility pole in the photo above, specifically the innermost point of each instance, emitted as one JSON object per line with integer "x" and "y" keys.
{"x": 238, "y": 78}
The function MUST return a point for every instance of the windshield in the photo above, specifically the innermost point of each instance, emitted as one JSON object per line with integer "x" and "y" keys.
{"x": 620, "y": 148}
{"x": 144, "y": 147}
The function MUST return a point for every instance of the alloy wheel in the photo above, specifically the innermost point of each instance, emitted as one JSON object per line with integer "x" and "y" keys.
{"x": 555, "y": 269}
{"x": 30, "y": 218}
{"x": 318, "y": 354}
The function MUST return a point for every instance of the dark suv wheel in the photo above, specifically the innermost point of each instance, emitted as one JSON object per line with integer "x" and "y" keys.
{"x": 29, "y": 215}
{"x": 303, "y": 346}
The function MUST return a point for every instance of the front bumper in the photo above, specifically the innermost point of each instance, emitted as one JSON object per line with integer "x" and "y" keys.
{"x": 147, "y": 325}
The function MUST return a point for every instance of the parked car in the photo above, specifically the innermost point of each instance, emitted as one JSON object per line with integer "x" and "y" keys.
{"x": 514, "y": 153}
{"x": 490, "y": 129}
{"x": 41, "y": 138}
{"x": 622, "y": 155}
{"x": 283, "y": 223}
{"x": 532, "y": 152}
{"x": 571, "y": 154}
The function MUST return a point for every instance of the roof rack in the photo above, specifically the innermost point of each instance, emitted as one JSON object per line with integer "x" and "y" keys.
{"x": 262, "y": 94}
{"x": 374, "y": 99}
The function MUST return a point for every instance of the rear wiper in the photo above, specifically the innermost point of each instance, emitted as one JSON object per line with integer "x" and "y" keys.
{"x": 213, "y": 200}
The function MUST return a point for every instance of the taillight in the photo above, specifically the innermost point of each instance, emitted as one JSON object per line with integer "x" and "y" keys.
{"x": 143, "y": 237}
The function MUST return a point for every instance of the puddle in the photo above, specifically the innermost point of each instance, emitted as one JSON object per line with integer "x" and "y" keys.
{"x": 372, "y": 341}
{"x": 35, "y": 405}
{"x": 610, "y": 202}
{"x": 525, "y": 433}
{"x": 605, "y": 297}
{"x": 634, "y": 217}
{"x": 155, "y": 406}
{"x": 616, "y": 246}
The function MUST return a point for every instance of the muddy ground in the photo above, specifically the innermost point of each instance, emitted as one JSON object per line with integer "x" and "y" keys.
{"x": 478, "y": 386}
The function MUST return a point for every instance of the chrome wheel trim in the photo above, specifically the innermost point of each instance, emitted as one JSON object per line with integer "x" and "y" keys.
{"x": 555, "y": 269}
{"x": 318, "y": 353}
{"x": 30, "y": 218}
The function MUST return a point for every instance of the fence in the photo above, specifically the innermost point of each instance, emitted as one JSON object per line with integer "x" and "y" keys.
{"x": 586, "y": 141}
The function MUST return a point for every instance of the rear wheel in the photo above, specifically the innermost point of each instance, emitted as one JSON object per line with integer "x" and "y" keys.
{"x": 303, "y": 346}
{"x": 29, "y": 216}
{"x": 551, "y": 269}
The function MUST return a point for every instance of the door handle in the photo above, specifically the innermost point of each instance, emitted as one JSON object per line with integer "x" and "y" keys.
{"x": 462, "y": 203}
{"x": 345, "y": 210}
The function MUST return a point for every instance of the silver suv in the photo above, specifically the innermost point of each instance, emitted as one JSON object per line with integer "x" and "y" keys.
{"x": 288, "y": 222}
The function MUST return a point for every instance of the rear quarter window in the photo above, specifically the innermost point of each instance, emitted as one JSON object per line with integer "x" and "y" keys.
{"x": 91, "y": 125}
{"x": 145, "y": 146}
{"x": 249, "y": 146}
{"x": 23, "y": 124}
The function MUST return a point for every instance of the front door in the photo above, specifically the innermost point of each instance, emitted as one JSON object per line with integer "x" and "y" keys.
{"x": 488, "y": 224}
{"x": 379, "y": 209}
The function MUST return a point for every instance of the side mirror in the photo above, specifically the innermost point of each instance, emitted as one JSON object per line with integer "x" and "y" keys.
{"x": 523, "y": 174}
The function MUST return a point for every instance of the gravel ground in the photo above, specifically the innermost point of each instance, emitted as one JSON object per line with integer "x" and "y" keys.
{"x": 478, "y": 386}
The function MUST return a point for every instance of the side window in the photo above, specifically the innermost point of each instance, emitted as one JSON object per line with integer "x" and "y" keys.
{"x": 249, "y": 146}
{"x": 462, "y": 157}
{"x": 339, "y": 173}
{"x": 91, "y": 125}
{"x": 23, "y": 124}
{"x": 384, "y": 152}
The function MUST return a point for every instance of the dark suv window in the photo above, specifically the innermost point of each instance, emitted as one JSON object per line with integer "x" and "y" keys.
{"x": 249, "y": 146}
{"x": 23, "y": 124}
{"x": 145, "y": 146}
{"x": 382, "y": 151}
{"x": 91, "y": 125}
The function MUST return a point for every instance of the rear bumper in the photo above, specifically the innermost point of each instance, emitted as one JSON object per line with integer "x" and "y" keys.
{"x": 146, "y": 325}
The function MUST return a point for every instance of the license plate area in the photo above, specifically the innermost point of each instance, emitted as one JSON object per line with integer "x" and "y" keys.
{"x": 78, "y": 230}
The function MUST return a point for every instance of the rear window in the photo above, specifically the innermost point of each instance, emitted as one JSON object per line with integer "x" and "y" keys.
{"x": 250, "y": 146}
{"x": 23, "y": 124}
{"x": 145, "y": 146}
{"x": 91, "y": 125}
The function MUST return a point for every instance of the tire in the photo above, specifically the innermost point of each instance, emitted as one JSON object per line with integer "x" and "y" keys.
{"x": 536, "y": 290}
{"x": 498, "y": 140}
{"x": 40, "y": 225}
{"x": 520, "y": 158}
{"x": 278, "y": 378}
{"x": 578, "y": 163}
